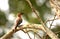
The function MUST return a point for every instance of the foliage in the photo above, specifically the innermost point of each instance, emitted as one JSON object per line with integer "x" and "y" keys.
{"x": 16, "y": 6}
{"x": 3, "y": 18}
{"x": 22, "y": 6}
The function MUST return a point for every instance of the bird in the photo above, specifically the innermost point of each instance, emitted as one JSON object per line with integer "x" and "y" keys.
{"x": 18, "y": 20}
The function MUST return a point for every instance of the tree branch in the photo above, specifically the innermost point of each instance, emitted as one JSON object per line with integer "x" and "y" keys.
{"x": 31, "y": 26}
{"x": 50, "y": 33}
{"x": 12, "y": 31}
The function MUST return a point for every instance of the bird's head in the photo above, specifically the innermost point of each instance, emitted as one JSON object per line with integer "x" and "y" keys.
{"x": 19, "y": 14}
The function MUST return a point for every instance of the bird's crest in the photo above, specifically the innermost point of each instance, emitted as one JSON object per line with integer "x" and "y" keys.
{"x": 19, "y": 14}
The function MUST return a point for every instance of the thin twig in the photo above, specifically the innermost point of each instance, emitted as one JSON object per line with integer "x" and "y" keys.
{"x": 52, "y": 21}
{"x": 40, "y": 20}
{"x": 51, "y": 1}
{"x": 46, "y": 36}
{"x": 38, "y": 35}
{"x": 28, "y": 34}
{"x": 35, "y": 33}
{"x": 11, "y": 32}
{"x": 32, "y": 31}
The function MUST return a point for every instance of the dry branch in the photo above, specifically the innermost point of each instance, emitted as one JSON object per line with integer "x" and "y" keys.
{"x": 12, "y": 31}
{"x": 31, "y": 26}
{"x": 47, "y": 30}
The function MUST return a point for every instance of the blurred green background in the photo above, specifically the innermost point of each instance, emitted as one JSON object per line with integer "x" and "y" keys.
{"x": 7, "y": 16}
